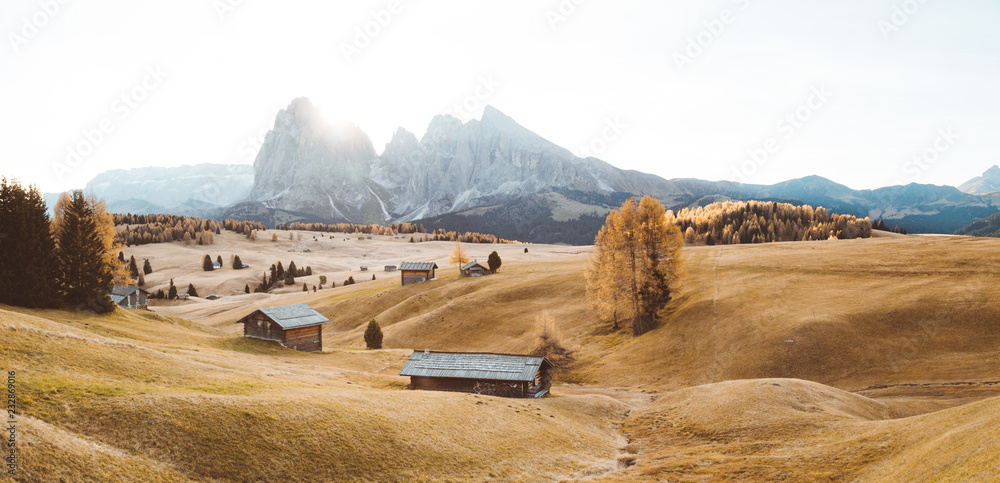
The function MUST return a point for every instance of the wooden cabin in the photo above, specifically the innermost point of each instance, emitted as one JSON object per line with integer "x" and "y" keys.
{"x": 475, "y": 269}
{"x": 390, "y": 268}
{"x": 416, "y": 272}
{"x": 297, "y": 327}
{"x": 505, "y": 375}
{"x": 129, "y": 296}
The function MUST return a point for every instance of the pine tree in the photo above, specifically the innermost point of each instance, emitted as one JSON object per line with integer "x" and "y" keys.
{"x": 373, "y": 276}
{"x": 26, "y": 241}
{"x": 525, "y": 249}
{"x": 246, "y": 288}
{"x": 305, "y": 288}
{"x": 86, "y": 267}
{"x": 146, "y": 267}
{"x": 237, "y": 263}
{"x": 494, "y": 261}
{"x": 133, "y": 269}
{"x": 292, "y": 270}
{"x": 206, "y": 263}
{"x": 192, "y": 291}
{"x": 141, "y": 281}
{"x": 172, "y": 291}
{"x": 373, "y": 335}
{"x": 219, "y": 260}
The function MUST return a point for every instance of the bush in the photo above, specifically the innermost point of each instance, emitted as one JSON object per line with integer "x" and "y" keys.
{"x": 549, "y": 341}
{"x": 373, "y": 335}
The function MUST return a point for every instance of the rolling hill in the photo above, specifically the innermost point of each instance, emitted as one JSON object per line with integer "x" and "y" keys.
{"x": 856, "y": 359}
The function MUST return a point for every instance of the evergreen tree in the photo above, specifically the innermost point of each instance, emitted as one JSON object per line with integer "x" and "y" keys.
{"x": 172, "y": 291}
{"x": 121, "y": 257}
{"x": 146, "y": 267}
{"x": 159, "y": 294}
{"x": 525, "y": 249}
{"x": 141, "y": 281}
{"x": 246, "y": 288}
{"x": 292, "y": 271}
{"x": 373, "y": 276}
{"x": 305, "y": 288}
{"x": 219, "y": 260}
{"x": 309, "y": 271}
{"x": 133, "y": 269}
{"x": 494, "y": 261}
{"x": 192, "y": 291}
{"x": 206, "y": 263}
{"x": 86, "y": 271}
{"x": 373, "y": 335}
{"x": 26, "y": 241}
{"x": 237, "y": 263}
{"x": 280, "y": 271}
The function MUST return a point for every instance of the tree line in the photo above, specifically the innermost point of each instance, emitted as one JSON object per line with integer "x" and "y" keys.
{"x": 738, "y": 222}
{"x": 66, "y": 259}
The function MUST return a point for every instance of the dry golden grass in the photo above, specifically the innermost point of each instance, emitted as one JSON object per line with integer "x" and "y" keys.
{"x": 719, "y": 391}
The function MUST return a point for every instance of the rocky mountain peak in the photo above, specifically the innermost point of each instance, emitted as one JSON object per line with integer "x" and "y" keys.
{"x": 987, "y": 183}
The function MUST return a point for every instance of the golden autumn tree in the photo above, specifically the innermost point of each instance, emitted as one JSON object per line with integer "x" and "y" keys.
{"x": 636, "y": 264}
{"x": 458, "y": 255}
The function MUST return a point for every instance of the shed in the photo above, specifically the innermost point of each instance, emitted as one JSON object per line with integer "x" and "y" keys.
{"x": 475, "y": 269}
{"x": 129, "y": 296}
{"x": 416, "y": 272}
{"x": 297, "y": 327}
{"x": 390, "y": 268}
{"x": 507, "y": 375}
{"x": 364, "y": 268}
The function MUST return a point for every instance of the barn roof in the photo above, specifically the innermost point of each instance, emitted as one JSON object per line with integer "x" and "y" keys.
{"x": 474, "y": 365}
{"x": 291, "y": 316}
{"x": 419, "y": 266}
{"x": 473, "y": 264}
{"x": 126, "y": 290}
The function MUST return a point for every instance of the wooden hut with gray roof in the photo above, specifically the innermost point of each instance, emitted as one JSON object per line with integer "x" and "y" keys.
{"x": 297, "y": 327}
{"x": 416, "y": 272}
{"x": 507, "y": 375}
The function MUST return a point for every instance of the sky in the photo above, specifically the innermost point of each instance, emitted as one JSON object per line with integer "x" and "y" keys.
{"x": 868, "y": 93}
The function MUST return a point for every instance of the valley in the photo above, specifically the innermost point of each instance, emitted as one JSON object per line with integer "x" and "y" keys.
{"x": 872, "y": 359}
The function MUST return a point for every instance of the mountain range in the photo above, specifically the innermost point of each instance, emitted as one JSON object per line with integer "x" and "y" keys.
{"x": 489, "y": 175}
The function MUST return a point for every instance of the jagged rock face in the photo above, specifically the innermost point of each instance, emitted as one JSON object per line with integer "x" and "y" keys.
{"x": 308, "y": 165}
{"x": 187, "y": 189}
{"x": 987, "y": 183}
{"x": 331, "y": 173}
{"x": 460, "y": 166}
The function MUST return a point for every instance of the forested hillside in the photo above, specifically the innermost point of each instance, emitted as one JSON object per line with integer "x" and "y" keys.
{"x": 732, "y": 223}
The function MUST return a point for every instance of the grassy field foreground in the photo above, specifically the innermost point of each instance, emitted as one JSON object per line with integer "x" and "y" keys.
{"x": 865, "y": 359}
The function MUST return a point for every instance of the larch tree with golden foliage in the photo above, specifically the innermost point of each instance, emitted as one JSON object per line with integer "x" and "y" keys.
{"x": 635, "y": 266}
{"x": 458, "y": 255}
